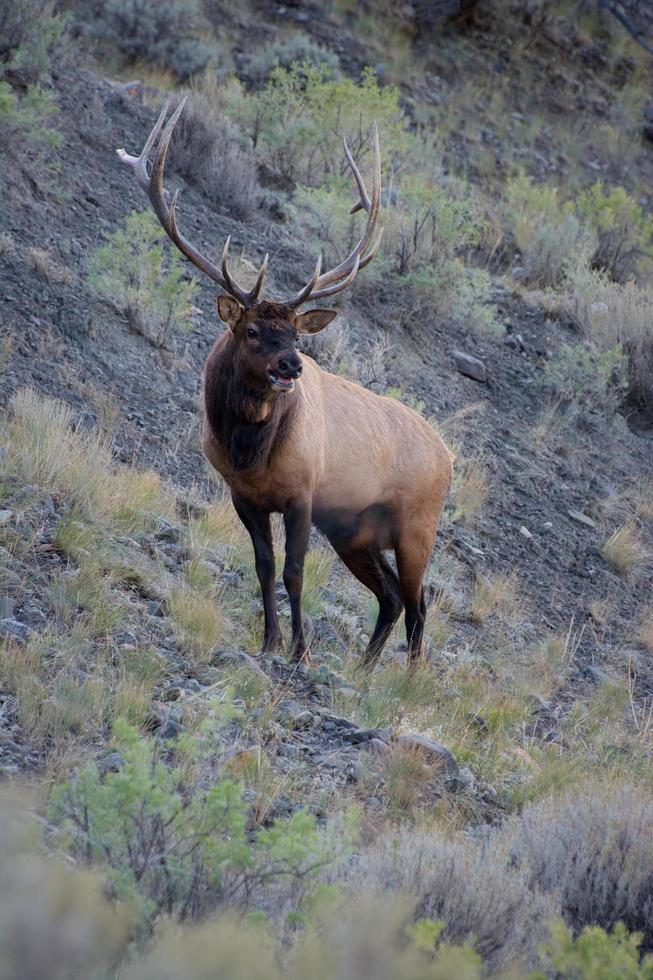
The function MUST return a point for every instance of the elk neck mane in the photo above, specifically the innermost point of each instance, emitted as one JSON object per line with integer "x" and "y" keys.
{"x": 248, "y": 424}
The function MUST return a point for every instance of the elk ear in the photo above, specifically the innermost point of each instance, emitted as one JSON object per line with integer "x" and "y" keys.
{"x": 314, "y": 320}
{"x": 229, "y": 310}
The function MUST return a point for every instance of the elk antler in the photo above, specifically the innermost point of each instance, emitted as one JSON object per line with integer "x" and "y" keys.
{"x": 338, "y": 278}
{"x": 152, "y": 184}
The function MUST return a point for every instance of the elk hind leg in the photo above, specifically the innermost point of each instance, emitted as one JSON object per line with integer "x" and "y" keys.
{"x": 412, "y": 561}
{"x": 370, "y": 567}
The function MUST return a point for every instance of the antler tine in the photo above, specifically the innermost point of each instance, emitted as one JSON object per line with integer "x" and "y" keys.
{"x": 342, "y": 275}
{"x": 152, "y": 184}
{"x": 364, "y": 199}
{"x": 307, "y": 290}
{"x": 258, "y": 285}
{"x": 338, "y": 286}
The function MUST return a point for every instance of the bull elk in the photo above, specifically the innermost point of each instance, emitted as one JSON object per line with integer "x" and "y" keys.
{"x": 290, "y": 438}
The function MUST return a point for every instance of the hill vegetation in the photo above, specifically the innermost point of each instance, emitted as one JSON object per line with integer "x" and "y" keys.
{"x": 174, "y": 804}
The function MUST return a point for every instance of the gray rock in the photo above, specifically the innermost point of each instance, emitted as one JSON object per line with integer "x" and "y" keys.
{"x": 525, "y": 533}
{"x": 112, "y": 762}
{"x": 580, "y": 518}
{"x": 10, "y": 583}
{"x": 294, "y": 716}
{"x": 470, "y": 366}
{"x": 12, "y": 629}
{"x": 349, "y": 693}
{"x": 170, "y": 729}
{"x": 5, "y": 516}
{"x": 237, "y": 658}
{"x": 636, "y": 663}
{"x": 539, "y": 704}
{"x": 598, "y": 676}
{"x": 378, "y": 747}
{"x": 433, "y": 750}
{"x": 355, "y": 736}
{"x": 7, "y": 605}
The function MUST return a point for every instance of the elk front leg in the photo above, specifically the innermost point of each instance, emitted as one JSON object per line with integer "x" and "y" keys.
{"x": 298, "y": 525}
{"x": 257, "y": 523}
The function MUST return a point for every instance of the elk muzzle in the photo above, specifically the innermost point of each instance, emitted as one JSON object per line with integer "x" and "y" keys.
{"x": 284, "y": 372}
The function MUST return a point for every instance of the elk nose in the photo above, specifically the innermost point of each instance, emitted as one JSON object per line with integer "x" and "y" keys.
{"x": 290, "y": 365}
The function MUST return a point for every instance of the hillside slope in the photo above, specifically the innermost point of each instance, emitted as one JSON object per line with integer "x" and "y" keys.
{"x": 128, "y": 592}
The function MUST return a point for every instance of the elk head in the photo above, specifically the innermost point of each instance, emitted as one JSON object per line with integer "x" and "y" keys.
{"x": 265, "y": 332}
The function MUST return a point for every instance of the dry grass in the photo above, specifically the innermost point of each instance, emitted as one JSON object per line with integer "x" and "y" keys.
{"x": 198, "y": 620}
{"x": 624, "y": 550}
{"x": 45, "y": 449}
{"x": 594, "y": 851}
{"x": 495, "y": 595}
{"x": 470, "y": 488}
{"x": 49, "y": 270}
{"x": 7, "y": 245}
{"x": 219, "y": 533}
{"x": 645, "y": 631}
{"x": 317, "y": 571}
{"x": 407, "y": 775}
{"x": 467, "y": 886}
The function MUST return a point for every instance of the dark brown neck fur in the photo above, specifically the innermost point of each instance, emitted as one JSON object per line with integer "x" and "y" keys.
{"x": 250, "y": 423}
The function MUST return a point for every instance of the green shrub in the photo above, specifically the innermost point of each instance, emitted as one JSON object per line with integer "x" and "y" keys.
{"x": 165, "y": 33}
{"x": 298, "y": 49}
{"x": 624, "y": 231}
{"x": 548, "y": 234}
{"x": 588, "y": 379}
{"x": 596, "y": 954}
{"x": 297, "y": 121}
{"x": 177, "y": 842}
{"x": 28, "y": 33}
{"x": 132, "y": 273}
{"x": 429, "y": 228}
{"x": 610, "y": 314}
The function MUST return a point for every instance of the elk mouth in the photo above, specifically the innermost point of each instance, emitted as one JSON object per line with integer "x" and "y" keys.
{"x": 280, "y": 383}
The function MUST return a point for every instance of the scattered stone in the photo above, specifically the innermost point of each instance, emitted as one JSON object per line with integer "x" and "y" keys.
{"x": 7, "y": 605}
{"x": 635, "y": 663}
{"x": 465, "y": 777}
{"x": 539, "y": 704}
{"x": 378, "y": 747}
{"x": 10, "y": 583}
{"x": 470, "y": 366}
{"x": 166, "y": 531}
{"x": 294, "y": 716}
{"x": 328, "y": 726}
{"x": 5, "y": 516}
{"x": 12, "y": 629}
{"x": 155, "y": 608}
{"x": 349, "y": 693}
{"x": 525, "y": 533}
{"x": 580, "y": 518}
{"x": 598, "y": 676}
{"x": 516, "y": 341}
{"x": 432, "y": 749}
{"x": 237, "y": 658}
{"x": 355, "y": 736}
{"x": 170, "y": 729}
{"x": 113, "y": 762}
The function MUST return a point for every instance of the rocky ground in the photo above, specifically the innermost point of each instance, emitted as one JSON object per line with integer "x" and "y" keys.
{"x": 550, "y": 507}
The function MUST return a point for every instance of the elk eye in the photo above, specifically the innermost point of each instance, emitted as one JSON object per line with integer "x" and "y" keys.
{"x": 252, "y": 333}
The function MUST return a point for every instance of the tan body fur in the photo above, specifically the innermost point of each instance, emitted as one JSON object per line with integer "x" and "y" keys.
{"x": 373, "y": 473}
